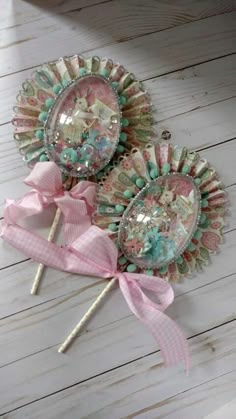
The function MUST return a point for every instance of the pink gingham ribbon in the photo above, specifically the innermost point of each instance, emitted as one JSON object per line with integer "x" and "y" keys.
{"x": 94, "y": 254}
{"x": 76, "y": 205}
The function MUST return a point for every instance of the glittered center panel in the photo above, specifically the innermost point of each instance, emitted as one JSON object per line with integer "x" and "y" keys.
{"x": 159, "y": 222}
{"x": 82, "y": 130}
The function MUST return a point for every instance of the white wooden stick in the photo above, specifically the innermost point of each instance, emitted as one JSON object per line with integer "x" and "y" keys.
{"x": 40, "y": 269}
{"x": 87, "y": 316}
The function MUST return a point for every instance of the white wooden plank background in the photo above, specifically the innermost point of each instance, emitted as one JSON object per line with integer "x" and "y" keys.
{"x": 185, "y": 51}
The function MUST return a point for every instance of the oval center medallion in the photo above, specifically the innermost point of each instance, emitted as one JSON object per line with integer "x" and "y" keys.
{"x": 160, "y": 221}
{"x": 82, "y": 129}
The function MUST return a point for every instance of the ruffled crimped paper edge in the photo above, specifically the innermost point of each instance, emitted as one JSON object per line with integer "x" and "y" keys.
{"x": 138, "y": 109}
{"x": 111, "y": 192}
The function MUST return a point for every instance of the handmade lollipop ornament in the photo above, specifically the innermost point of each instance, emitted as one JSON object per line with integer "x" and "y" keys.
{"x": 94, "y": 254}
{"x": 172, "y": 209}
{"x": 83, "y": 114}
{"x": 163, "y": 207}
{"x": 80, "y": 113}
{"x": 159, "y": 215}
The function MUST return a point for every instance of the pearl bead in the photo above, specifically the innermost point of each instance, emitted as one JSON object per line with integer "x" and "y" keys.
{"x": 153, "y": 173}
{"x": 56, "y": 88}
{"x": 112, "y": 227}
{"x": 119, "y": 208}
{"x": 197, "y": 180}
{"x": 43, "y": 157}
{"x": 123, "y": 137}
{"x": 43, "y": 116}
{"x": 205, "y": 224}
{"x": 149, "y": 272}
{"x": 128, "y": 194}
{"x": 104, "y": 72}
{"x": 140, "y": 183}
{"x": 198, "y": 234}
{"x": 204, "y": 203}
{"x": 122, "y": 260}
{"x": 115, "y": 84}
{"x": 124, "y": 122}
{"x": 120, "y": 148}
{"x": 49, "y": 102}
{"x": 82, "y": 71}
{"x": 131, "y": 268}
{"x": 65, "y": 83}
{"x": 122, "y": 100}
{"x": 203, "y": 218}
{"x": 186, "y": 169}
{"x": 39, "y": 134}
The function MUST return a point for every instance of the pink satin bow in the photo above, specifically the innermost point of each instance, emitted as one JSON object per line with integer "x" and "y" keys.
{"x": 94, "y": 254}
{"x": 76, "y": 205}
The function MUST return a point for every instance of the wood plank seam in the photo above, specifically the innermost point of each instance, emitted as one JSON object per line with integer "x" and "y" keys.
{"x": 160, "y": 121}
{"x": 163, "y": 75}
{"x": 86, "y": 287}
{"x": 101, "y": 2}
{"x": 77, "y": 292}
{"x": 89, "y": 50}
{"x": 122, "y": 319}
{"x": 17, "y": 391}
{"x": 112, "y": 369}
{"x": 167, "y": 400}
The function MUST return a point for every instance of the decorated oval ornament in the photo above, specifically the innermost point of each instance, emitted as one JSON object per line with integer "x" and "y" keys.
{"x": 85, "y": 118}
{"x": 83, "y": 114}
{"x": 159, "y": 221}
{"x": 164, "y": 207}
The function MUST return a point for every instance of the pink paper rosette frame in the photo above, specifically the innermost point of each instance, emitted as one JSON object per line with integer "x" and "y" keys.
{"x": 83, "y": 113}
{"x": 164, "y": 208}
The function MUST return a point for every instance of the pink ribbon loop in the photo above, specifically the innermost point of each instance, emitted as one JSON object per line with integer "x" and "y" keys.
{"x": 167, "y": 334}
{"x": 76, "y": 205}
{"x": 94, "y": 254}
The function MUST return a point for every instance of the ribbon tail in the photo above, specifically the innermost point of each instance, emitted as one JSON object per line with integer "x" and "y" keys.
{"x": 32, "y": 203}
{"x": 63, "y": 258}
{"x": 169, "y": 337}
{"x": 43, "y": 251}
